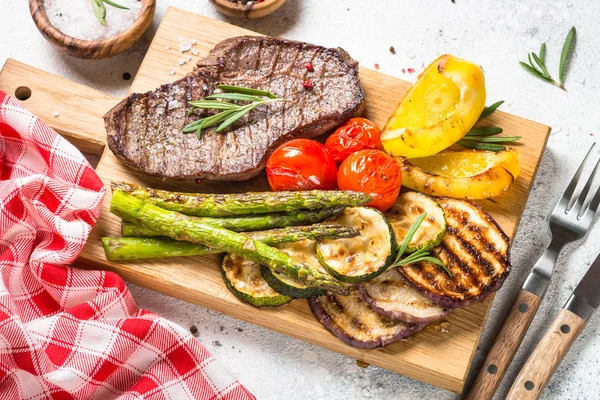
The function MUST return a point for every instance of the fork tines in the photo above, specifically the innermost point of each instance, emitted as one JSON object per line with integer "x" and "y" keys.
{"x": 578, "y": 203}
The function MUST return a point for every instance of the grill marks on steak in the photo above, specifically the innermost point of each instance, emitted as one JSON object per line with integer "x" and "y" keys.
{"x": 144, "y": 130}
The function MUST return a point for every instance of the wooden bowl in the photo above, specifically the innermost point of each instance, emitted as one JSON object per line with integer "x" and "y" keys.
{"x": 92, "y": 49}
{"x": 252, "y": 11}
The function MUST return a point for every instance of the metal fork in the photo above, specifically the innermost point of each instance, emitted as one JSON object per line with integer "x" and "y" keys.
{"x": 569, "y": 221}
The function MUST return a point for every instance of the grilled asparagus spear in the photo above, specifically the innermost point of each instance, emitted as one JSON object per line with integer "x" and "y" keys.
{"x": 223, "y": 205}
{"x": 247, "y": 223}
{"x": 136, "y": 248}
{"x": 180, "y": 227}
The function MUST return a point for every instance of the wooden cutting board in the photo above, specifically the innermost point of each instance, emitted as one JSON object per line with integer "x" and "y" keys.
{"x": 432, "y": 356}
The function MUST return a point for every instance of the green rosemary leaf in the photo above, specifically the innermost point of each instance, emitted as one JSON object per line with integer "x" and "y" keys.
{"x": 233, "y": 96}
{"x": 111, "y": 3}
{"x": 503, "y": 139}
{"x": 490, "y": 110}
{"x": 533, "y": 71}
{"x": 99, "y": 11}
{"x": 543, "y": 53}
{"x": 481, "y": 146}
{"x": 214, "y": 105}
{"x": 564, "y": 55}
{"x": 208, "y": 121}
{"x": 487, "y": 131}
{"x": 245, "y": 90}
{"x": 234, "y": 117}
{"x": 541, "y": 64}
{"x": 409, "y": 234}
{"x": 538, "y": 71}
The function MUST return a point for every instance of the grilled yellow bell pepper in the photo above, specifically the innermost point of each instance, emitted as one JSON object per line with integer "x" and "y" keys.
{"x": 467, "y": 174}
{"x": 438, "y": 110}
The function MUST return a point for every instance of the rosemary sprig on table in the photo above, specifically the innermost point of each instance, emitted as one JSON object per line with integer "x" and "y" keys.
{"x": 229, "y": 112}
{"x": 100, "y": 9}
{"x": 420, "y": 255}
{"x": 540, "y": 70}
{"x": 485, "y": 138}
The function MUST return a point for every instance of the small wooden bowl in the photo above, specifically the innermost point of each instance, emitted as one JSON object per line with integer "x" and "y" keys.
{"x": 92, "y": 49}
{"x": 252, "y": 11}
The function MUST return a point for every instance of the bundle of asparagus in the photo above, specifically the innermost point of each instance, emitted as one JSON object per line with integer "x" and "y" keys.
{"x": 158, "y": 224}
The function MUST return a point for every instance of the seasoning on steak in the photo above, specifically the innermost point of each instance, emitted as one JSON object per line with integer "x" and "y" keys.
{"x": 145, "y": 130}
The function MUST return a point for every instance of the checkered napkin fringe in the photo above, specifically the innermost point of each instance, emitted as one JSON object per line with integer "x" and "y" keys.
{"x": 67, "y": 333}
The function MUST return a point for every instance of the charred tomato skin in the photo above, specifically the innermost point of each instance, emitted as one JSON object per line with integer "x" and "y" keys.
{"x": 355, "y": 135}
{"x": 372, "y": 172}
{"x": 301, "y": 164}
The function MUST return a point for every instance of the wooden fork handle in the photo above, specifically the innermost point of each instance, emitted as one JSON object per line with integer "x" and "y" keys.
{"x": 546, "y": 356}
{"x": 504, "y": 348}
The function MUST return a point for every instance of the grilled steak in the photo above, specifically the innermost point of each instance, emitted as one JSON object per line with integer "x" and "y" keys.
{"x": 474, "y": 249}
{"x": 145, "y": 130}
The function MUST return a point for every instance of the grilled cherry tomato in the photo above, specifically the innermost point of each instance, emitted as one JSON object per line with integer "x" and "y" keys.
{"x": 301, "y": 164}
{"x": 356, "y": 134}
{"x": 372, "y": 172}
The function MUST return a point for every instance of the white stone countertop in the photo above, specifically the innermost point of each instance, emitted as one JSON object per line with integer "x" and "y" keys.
{"x": 495, "y": 34}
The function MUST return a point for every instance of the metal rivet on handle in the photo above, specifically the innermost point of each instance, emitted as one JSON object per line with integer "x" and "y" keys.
{"x": 523, "y": 307}
{"x": 492, "y": 369}
{"x": 565, "y": 329}
{"x": 529, "y": 385}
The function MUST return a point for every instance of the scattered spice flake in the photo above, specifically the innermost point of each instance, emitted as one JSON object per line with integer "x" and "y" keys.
{"x": 171, "y": 72}
{"x": 198, "y": 181}
{"x": 194, "y": 330}
{"x": 411, "y": 70}
{"x": 216, "y": 343}
{"x": 167, "y": 47}
{"x": 185, "y": 46}
{"x": 308, "y": 84}
{"x": 392, "y": 50}
{"x": 347, "y": 9}
{"x": 362, "y": 364}
{"x": 240, "y": 330}
{"x": 376, "y": 65}
{"x": 56, "y": 113}
{"x": 403, "y": 70}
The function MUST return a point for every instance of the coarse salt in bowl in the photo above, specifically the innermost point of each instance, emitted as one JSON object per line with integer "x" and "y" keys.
{"x": 76, "y": 18}
{"x": 72, "y": 26}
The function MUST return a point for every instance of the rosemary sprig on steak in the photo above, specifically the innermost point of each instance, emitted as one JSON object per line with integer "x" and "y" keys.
{"x": 419, "y": 255}
{"x": 230, "y": 112}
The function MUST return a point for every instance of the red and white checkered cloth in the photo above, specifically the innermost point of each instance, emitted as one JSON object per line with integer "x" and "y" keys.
{"x": 68, "y": 333}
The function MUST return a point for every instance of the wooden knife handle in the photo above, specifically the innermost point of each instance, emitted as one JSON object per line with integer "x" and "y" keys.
{"x": 504, "y": 348}
{"x": 546, "y": 356}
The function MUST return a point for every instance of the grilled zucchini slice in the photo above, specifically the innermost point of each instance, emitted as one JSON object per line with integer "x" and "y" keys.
{"x": 392, "y": 296}
{"x": 243, "y": 278}
{"x": 407, "y": 209}
{"x": 353, "y": 321}
{"x": 304, "y": 251}
{"x": 361, "y": 258}
{"x": 474, "y": 249}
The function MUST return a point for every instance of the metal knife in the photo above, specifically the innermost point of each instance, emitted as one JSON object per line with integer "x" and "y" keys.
{"x": 557, "y": 341}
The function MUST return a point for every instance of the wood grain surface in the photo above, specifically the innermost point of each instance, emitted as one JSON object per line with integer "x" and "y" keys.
{"x": 507, "y": 342}
{"x": 546, "y": 356}
{"x": 432, "y": 356}
{"x": 92, "y": 49}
